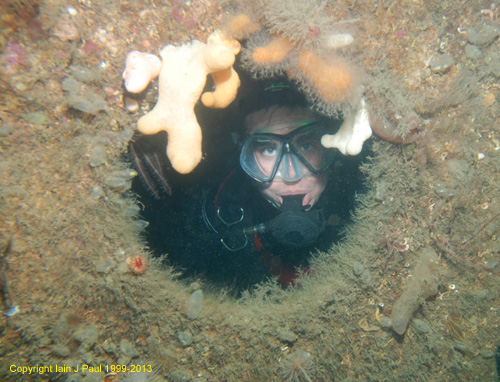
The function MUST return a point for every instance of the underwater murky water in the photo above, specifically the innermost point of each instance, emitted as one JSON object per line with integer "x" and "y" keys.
{"x": 104, "y": 276}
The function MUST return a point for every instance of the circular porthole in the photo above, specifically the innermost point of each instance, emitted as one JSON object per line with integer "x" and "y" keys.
{"x": 402, "y": 281}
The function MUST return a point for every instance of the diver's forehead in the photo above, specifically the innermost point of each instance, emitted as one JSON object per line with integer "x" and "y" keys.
{"x": 279, "y": 128}
{"x": 279, "y": 120}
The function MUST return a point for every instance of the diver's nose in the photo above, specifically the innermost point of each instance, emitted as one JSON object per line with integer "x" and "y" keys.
{"x": 291, "y": 172}
{"x": 290, "y": 169}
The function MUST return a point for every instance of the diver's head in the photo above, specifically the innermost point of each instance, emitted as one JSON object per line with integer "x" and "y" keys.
{"x": 283, "y": 153}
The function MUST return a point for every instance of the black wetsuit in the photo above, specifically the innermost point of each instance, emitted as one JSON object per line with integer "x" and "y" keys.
{"x": 237, "y": 199}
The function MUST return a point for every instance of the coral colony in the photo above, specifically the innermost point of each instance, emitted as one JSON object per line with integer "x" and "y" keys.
{"x": 296, "y": 38}
{"x": 183, "y": 75}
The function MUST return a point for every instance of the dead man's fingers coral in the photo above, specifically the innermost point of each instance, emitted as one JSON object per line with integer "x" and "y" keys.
{"x": 220, "y": 52}
{"x": 352, "y": 134}
{"x": 184, "y": 136}
{"x": 140, "y": 69}
{"x": 226, "y": 81}
{"x": 182, "y": 79}
{"x": 219, "y": 37}
{"x": 226, "y": 84}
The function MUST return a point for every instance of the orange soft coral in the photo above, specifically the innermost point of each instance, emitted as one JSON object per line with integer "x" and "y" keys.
{"x": 226, "y": 84}
{"x": 332, "y": 80}
{"x": 241, "y": 26}
{"x": 274, "y": 52}
{"x": 226, "y": 81}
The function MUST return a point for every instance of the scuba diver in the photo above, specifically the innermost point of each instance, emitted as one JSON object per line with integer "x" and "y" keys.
{"x": 240, "y": 223}
{"x": 282, "y": 156}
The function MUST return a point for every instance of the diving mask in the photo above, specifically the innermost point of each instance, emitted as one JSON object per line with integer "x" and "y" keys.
{"x": 290, "y": 157}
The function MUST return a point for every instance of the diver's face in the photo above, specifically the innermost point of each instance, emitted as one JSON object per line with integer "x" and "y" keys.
{"x": 283, "y": 153}
{"x": 292, "y": 177}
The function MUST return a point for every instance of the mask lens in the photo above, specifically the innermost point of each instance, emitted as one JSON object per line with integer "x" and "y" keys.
{"x": 309, "y": 146}
{"x": 291, "y": 168}
{"x": 290, "y": 156}
{"x": 260, "y": 157}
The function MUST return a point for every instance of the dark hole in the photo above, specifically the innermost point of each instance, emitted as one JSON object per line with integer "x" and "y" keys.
{"x": 175, "y": 204}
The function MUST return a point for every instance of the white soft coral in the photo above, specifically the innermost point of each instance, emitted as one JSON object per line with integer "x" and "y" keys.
{"x": 353, "y": 133}
{"x": 182, "y": 78}
{"x": 140, "y": 69}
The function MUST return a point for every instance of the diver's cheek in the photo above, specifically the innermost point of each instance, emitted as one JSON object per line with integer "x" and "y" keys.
{"x": 311, "y": 187}
{"x": 307, "y": 200}
{"x": 315, "y": 187}
{"x": 271, "y": 195}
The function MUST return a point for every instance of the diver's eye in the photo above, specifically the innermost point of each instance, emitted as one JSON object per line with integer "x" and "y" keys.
{"x": 306, "y": 147}
{"x": 310, "y": 146}
{"x": 269, "y": 151}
